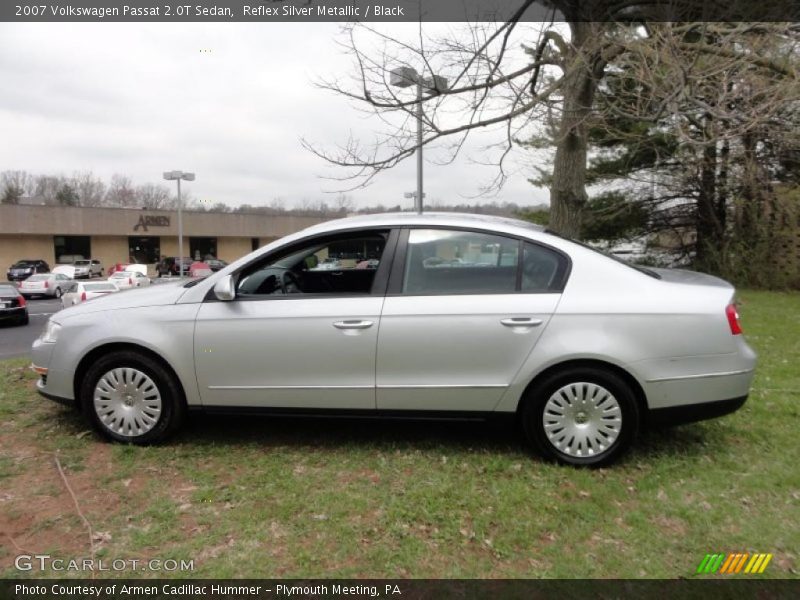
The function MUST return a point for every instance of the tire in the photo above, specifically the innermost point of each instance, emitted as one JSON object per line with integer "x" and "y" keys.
{"x": 152, "y": 410}
{"x": 57, "y": 293}
{"x": 24, "y": 320}
{"x": 581, "y": 416}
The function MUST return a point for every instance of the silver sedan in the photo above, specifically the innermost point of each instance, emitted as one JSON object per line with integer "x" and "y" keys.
{"x": 44, "y": 284}
{"x": 463, "y": 315}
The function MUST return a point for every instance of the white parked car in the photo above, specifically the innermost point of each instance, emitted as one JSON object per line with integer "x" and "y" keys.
{"x": 581, "y": 348}
{"x": 126, "y": 280}
{"x": 79, "y": 291}
{"x": 44, "y": 284}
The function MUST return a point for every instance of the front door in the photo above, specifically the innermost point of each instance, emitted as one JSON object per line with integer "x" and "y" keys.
{"x": 302, "y": 330}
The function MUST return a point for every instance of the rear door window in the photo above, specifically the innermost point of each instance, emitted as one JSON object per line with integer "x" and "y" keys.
{"x": 442, "y": 261}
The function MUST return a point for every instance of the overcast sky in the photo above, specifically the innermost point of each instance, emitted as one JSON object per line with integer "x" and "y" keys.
{"x": 139, "y": 99}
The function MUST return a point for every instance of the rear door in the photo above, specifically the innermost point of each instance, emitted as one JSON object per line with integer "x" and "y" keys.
{"x": 464, "y": 310}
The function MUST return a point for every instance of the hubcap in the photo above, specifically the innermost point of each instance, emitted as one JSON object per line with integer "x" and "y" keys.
{"x": 582, "y": 419}
{"x": 127, "y": 401}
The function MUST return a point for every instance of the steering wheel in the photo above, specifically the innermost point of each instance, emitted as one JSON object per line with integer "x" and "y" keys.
{"x": 290, "y": 283}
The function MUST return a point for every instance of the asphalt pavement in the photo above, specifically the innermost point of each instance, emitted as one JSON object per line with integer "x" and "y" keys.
{"x": 16, "y": 340}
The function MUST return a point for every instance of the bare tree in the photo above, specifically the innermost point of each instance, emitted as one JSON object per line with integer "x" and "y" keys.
{"x": 90, "y": 189}
{"x": 566, "y": 63}
{"x": 343, "y": 203}
{"x": 156, "y": 197}
{"x": 121, "y": 193}
{"x": 46, "y": 188}
{"x": 14, "y": 185}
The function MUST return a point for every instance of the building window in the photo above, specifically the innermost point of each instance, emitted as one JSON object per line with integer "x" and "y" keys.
{"x": 203, "y": 248}
{"x": 69, "y": 248}
{"x": 144, "y": 250}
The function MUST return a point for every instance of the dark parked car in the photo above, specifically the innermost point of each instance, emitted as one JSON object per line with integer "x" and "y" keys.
{"x": 12, "y": 304}
{"x": 22, "y": 269}
{"x": 171, "y": 265}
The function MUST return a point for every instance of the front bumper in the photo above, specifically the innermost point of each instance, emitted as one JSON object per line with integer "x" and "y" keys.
{"x": 41, "y": 387}
{"x": 53, "y": 383}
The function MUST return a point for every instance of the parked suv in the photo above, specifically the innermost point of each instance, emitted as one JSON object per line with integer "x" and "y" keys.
{"x": 171, "y": 265}
{"x": 22, "y": 269}
{"x": 88, "y": 268}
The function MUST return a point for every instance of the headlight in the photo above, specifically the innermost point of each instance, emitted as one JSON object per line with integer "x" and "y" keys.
{"x": 50, "y": 333}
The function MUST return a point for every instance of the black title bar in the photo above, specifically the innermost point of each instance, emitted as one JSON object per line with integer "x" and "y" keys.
{"x": 257, "y": 11}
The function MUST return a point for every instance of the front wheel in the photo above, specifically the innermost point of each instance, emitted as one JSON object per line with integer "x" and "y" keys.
{"x": 130, "y": 397}
{"x": 581, "y": 416}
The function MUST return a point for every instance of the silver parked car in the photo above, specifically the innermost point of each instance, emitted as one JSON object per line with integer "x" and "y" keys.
{"x": 88, "y": 268}
{"x": 44, "y": 284}
{"x": 464, "y": 315}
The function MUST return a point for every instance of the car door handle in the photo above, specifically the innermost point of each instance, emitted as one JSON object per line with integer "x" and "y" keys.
{"x": 521, "y": 322}
{"x": 352, "y": 324}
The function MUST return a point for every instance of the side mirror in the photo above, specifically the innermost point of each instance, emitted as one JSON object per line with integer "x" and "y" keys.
{"x": 224, "y": 289}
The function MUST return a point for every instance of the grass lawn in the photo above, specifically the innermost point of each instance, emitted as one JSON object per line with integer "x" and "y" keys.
{"x": 338, "y": 498}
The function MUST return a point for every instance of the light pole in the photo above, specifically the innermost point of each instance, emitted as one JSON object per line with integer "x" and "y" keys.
{"x": 404, "y": 77}
{"x": 177, "y": 176}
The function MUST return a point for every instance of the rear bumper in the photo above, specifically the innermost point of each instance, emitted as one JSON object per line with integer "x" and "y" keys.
{"x": 13, "y": 313}
{"x": 690, "y": 413}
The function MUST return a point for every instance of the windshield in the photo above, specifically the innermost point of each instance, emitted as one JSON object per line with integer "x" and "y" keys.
{"x": 22, "y": 263}
{"x": 83, "y": 262}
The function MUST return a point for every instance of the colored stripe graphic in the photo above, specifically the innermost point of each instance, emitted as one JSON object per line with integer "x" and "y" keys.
{"x": 727, "y": 563}
{"x": 734, "y": 563}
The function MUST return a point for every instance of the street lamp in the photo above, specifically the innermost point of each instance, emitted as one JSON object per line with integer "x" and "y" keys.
{"x": 177, "y": 176}
{"x": 404, "y": 77}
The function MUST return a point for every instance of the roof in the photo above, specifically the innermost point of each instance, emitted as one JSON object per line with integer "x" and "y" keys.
{"x": 427, "y": 218}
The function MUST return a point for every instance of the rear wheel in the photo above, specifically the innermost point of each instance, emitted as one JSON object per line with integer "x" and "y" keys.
{"x": 130, "y": 397}
{"x": 582, "y": 416}
{"x": 24, "y": 320}
{"x": 58, "y": 292}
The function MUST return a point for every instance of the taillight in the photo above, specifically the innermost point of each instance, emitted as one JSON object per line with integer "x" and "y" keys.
{"x": 83, "y": 296}
{"x": 46, "y": 283}
{"x": 21, "y": 301}
{"x": 733, "y": 319}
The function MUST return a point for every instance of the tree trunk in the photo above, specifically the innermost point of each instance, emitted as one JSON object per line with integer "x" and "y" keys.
{"x": 568, "y": 188}
{"x": 709, "y": 228}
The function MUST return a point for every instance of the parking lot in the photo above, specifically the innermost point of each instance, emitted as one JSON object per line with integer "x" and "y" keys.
{"x": 16, "y": 340}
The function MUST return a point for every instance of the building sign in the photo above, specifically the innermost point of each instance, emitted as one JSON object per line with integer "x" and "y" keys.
{"x": 146, "y": 221}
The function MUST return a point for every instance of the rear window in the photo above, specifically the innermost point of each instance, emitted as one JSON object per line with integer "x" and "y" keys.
{"x": 99, "y": 287}
{"x": 38, "y": 278}
{"x": 7, "y": 290}
{"x": 622, "y": 261}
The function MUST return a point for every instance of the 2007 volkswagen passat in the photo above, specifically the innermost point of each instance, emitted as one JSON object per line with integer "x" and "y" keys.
{"x": 411, "y": 315}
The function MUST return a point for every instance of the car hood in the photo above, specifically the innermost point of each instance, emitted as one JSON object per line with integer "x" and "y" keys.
{"x": 690, "y": 277}
{"x": 157, "y": 295}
